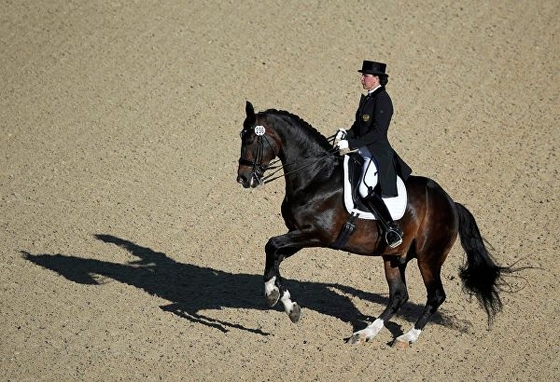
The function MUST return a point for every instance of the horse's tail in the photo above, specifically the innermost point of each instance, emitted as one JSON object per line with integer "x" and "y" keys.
{"x": 480, "y": 275}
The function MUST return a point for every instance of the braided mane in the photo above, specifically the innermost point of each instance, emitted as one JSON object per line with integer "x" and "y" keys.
{"x": 305, "y": 127}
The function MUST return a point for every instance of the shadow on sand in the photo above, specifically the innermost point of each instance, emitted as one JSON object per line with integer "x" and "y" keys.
{"x": 192, "y": 289}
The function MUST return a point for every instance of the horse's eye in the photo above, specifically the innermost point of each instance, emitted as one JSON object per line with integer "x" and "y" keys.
{"x": 246, "y": 137}
{"x": 243, "y": 133}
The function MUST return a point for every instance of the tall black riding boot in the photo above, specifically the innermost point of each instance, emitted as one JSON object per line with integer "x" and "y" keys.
{"x": 393, "y": 233}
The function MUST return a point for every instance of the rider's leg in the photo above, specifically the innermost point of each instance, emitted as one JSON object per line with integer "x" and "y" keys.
{"x": 393, "y": 233}
{"x": 368, "y": 182}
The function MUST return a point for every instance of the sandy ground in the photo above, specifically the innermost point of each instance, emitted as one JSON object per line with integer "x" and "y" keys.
{"x": 129, "y": 252}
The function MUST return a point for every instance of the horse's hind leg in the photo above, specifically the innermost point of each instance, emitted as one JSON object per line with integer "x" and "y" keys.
{"x": 398, "y": 295}
{"x": 431, "y": 274}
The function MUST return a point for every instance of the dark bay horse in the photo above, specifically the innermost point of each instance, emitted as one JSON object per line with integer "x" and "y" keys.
{"x": 314, "y": 213}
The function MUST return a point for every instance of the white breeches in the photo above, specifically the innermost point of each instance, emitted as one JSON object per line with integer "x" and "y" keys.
{"x": 369, "y": 172}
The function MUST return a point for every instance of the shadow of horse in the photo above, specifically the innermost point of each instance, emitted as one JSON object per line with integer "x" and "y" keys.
{"x": 192, "y": 289}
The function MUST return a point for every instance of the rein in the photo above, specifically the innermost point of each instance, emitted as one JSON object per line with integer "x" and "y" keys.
{"x": 273, "y": 165}
{"x": 268, "y": 178}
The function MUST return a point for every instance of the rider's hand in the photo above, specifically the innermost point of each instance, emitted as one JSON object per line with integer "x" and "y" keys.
{"x": 340, "y": 135}
{"x": 343, "y": 147}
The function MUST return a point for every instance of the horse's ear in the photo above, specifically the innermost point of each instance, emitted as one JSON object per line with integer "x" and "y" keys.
{"x": 250, "y": 110}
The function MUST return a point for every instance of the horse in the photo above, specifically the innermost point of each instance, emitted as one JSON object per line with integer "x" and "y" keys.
{"x": 315, "y": 216}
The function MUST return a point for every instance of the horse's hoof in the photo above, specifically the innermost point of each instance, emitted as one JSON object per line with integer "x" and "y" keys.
{"x": 273, "y": 298}
{"x": 401, "y": 345}
{"x": 357, "y": 338}
{"x": 295, "y": 313}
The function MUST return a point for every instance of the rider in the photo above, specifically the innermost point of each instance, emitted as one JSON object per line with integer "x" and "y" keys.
{"x": 368, "y": 135}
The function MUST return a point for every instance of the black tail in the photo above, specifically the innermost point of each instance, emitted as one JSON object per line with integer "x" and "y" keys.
{"x": 481, "y": 276}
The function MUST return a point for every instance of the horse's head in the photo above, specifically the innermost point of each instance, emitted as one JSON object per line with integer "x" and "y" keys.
{"x": 259, "y": 146}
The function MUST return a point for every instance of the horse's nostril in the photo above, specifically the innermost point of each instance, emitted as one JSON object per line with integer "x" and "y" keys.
{"x": 243, "y": 181}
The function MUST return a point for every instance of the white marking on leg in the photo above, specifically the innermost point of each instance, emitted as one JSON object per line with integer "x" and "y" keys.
{"x": 287, "y": 302}
{"x": 270, "y": 286}
{"x": 368, "y": 333}
{"x": 373, "y": 329}
{"x": 376, "y": 326}
{"x": 410, "y": 337}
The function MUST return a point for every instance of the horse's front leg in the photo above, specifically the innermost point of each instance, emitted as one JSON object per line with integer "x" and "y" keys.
{"x": 277, "y": 249}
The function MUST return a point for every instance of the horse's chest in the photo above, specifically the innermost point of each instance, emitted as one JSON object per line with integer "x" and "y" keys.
{"x": 292, "y": 210}
{"x": 299, "y": 212}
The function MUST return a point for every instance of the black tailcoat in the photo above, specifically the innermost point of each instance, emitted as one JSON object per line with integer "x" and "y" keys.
{"x": 370, "y": 129}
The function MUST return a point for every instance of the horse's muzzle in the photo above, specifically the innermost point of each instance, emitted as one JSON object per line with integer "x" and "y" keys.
{"x": 252, "y": 179}
{"x": 242, "y": 180}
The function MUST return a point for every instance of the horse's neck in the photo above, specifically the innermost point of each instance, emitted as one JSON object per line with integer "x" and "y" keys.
{"x": 304, "y": 167}
{"x": 298, "y": 147}
{"x": 304, "y": 157}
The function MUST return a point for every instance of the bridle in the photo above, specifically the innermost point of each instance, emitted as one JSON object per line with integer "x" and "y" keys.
{"x": 257, "y": 165}
{"x": 258, "y": 168}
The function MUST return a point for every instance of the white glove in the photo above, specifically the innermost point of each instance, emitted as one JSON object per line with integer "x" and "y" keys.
{"x": 340, "y": 135}
{"x": 343, "y": 147}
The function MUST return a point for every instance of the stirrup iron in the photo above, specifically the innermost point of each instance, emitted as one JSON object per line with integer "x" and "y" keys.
{"x": 396, "y": 237}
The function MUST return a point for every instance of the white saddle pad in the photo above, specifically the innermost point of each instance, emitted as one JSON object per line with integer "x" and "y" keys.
{"x": 396, "y": 205}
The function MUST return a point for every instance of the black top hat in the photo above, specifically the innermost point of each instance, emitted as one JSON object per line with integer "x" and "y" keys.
{"x": 372, "y": 67}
